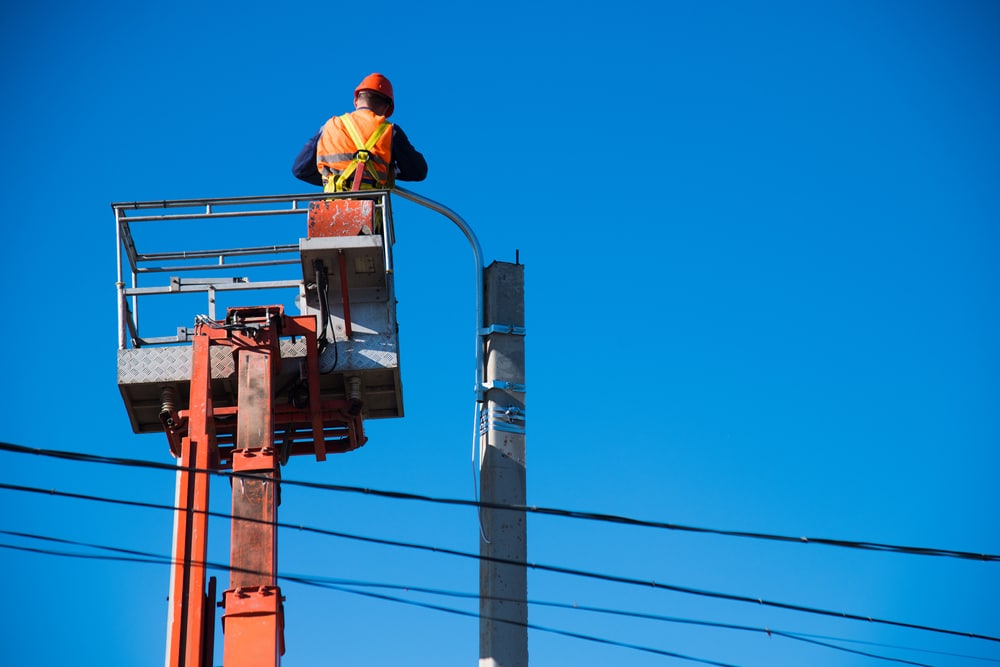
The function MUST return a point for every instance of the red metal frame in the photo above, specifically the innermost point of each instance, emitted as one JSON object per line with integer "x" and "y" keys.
{"x": 243, "y": 437}
{"x": 187, "y": 578}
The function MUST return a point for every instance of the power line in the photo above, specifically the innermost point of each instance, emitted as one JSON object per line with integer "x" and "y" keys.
{"x": 798, "y": 636}
{"x": 534, "y": 626}
{"x": 352, "y": 586}
{"x": 346, "y": 586}
{"x": 163, "y": 560}
{"x": 654, "y": 617}
{"x": 950, "y": 654}
{"x": 535, "y": 566}
{"x": 532, "y": 509}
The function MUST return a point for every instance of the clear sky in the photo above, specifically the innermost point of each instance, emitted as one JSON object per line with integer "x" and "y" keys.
{"x": 761, "y": 245}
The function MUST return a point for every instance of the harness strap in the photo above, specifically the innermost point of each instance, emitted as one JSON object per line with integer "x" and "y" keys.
{"x": 362, "y": 156}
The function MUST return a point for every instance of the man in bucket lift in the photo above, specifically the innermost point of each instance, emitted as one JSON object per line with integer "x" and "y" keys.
{"x": 361, "y": 150}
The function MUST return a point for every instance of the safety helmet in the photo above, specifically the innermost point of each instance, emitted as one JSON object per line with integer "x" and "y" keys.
{"x": 379, "y": 84}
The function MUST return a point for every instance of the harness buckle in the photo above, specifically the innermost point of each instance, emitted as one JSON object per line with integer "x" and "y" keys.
{"x": 362, "y": 155}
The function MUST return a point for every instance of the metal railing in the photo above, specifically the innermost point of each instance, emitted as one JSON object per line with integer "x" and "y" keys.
{"x": 171, "y": 271}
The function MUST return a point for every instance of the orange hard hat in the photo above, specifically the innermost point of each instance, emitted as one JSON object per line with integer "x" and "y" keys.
{"x": 379, "y": 84}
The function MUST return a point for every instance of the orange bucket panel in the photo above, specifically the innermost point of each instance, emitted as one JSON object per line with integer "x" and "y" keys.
{"x": 341, "y": 217}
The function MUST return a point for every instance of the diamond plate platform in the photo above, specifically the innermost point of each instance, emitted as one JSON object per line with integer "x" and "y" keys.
{"x": 143, "y": 372}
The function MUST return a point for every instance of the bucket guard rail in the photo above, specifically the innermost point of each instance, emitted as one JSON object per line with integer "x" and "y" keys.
{"x": 352, "y": 319}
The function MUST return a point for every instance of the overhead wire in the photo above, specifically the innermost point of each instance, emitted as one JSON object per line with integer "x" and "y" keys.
{"x": 530, "y": 509}
{"x": 353, "y": 586}
{"x": 620, "y": 579}
{"x": 535, "y": 626}
{"x": 162, "y": 560}
{"x": 647, "y": 616}
{"x": 347, "y": 587}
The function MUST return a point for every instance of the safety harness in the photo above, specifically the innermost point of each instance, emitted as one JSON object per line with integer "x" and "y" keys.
{"x": 359, "y": 164}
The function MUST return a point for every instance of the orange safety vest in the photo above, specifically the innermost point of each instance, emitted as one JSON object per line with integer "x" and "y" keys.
{"x": 357, "y": 140}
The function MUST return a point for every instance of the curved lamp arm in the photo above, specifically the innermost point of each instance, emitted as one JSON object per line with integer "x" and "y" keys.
{"x": 478, "y": 252}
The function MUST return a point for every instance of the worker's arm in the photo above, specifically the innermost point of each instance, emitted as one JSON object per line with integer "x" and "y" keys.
{"x": 304, "y": 167}
{"x": 410, "y": 164}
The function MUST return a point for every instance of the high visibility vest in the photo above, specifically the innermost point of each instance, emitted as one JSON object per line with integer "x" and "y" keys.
{"x": 358, "y": 140}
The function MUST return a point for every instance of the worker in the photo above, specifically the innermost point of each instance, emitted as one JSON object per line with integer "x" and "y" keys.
{"x": 361, "y": 150}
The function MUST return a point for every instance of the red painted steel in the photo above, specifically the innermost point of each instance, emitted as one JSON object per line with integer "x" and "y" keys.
{"x": 187, "y": 589}
{"x": 341, "y": 217}
{"x": 254, "y": 627}
{"x": 305, "y": 326}
{"x": 243, "y": 437}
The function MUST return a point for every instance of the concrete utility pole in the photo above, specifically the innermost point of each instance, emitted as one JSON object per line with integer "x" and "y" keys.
{"x": 502, "y": 473}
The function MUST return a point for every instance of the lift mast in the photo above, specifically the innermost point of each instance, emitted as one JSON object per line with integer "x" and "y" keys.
{"x": 261, "y": 386}
{"x": 253, "y": 621}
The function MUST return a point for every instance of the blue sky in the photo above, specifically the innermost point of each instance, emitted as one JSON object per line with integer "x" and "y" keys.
{"x": 779, "y": 315}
